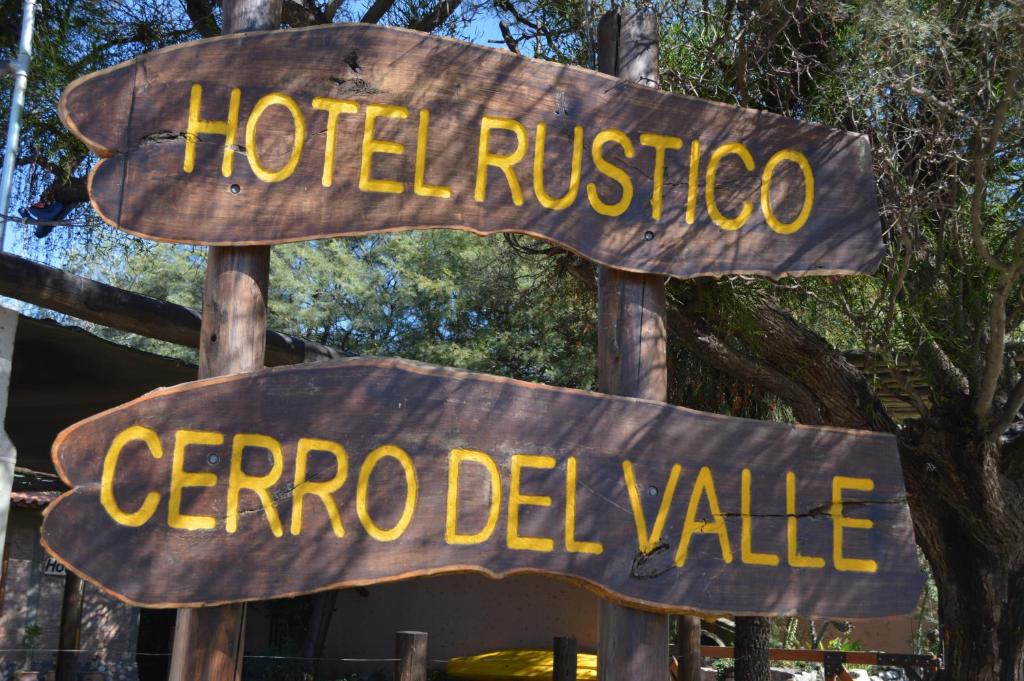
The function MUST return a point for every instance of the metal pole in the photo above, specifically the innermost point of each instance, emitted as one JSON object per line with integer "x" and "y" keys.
{"x": 8, "y": 455}
{"x": 20, "y": 67}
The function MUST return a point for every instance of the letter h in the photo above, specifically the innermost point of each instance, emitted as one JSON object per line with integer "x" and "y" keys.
{"x": 197, "y": 125}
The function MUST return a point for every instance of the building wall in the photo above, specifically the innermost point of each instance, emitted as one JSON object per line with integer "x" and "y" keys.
{"x": 109, "y": 627}
{"x": 890, "y": 635}
{"x": 462, "y": 614}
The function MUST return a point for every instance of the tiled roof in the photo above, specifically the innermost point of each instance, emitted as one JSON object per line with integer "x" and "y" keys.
{"x": 33, "y": 489}
{"x": 38, "y": 500}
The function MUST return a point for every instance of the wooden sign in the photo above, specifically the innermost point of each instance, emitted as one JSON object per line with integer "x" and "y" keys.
{"x": 372, "y": 470}
{"x": 342, "y": 130}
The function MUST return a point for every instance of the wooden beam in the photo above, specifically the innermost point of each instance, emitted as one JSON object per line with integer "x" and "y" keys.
{"x": 99, "y": 303}
{"x": 632, "y": 358}
{"x": 232, "y": 340}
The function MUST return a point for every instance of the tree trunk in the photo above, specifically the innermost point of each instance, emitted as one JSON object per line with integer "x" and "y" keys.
{"x": 968, "y": 511}
{"x": 752, "y": 634}
{"x": 981, "y": 608}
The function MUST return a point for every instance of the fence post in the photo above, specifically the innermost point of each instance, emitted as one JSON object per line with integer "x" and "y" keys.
{"x": 564, "y": 667}
{"x": 688, "y": 648}
{"x": 411, "y": 654}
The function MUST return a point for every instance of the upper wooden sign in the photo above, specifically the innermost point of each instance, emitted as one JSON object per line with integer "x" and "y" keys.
{"x": 339, "y": 130}
{"x": 371, "y": 470}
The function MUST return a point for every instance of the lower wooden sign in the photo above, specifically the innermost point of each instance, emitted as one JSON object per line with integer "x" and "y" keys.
{"x": 292, "y": 480}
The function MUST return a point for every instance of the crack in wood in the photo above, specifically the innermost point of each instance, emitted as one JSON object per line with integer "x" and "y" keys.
{"x": 820, "y": 511}
{"x": 354, "y": 86}
{"x": 352, "y": 60}
{"x": 169, "y": 136}
{"x": 650, "y": 564}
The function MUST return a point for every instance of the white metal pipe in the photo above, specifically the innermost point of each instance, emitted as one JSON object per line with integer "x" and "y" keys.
{"x": 8, "y": 455}
{"x": 20, "y": 68}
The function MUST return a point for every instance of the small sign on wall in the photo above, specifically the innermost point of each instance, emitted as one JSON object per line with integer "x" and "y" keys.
{"x": 53, "y": 568}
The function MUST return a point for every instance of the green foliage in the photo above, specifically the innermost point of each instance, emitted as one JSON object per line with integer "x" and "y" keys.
{"x": 842, "y": 644}
{"x": 29, "y": 640}
{"x": 438, "y": 296}
{"x": 723, "y": 667}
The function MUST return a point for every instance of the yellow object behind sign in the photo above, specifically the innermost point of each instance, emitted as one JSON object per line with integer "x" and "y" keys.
{"x": 514, "y": 665}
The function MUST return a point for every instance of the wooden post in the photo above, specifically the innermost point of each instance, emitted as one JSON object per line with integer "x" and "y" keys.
{"x": 411, "y": 654}
{"x": 208, "y": 642}
{"x": 70, "y": 628}
{"x": 564, "y": 667}
{"x": 688, "y": 648}
{"x": 632, "y": 357}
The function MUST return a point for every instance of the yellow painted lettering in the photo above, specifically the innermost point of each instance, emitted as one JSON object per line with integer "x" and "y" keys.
{"x": 647, "y": 542}
{"x": 197, "y": 126}
{"x": 567, "y": 199}
{"x": 793, "y": 555}
{"x": 260, "y": 484}
{"x": 298, "y": 138}
{"x": 419, "y": 183}
{"x": 660, "y": 143}
{"x": 704, "y": 486}
{"x": 320, "y": 489}
{"x": 363, "y": 487}
{"x": 145, "y": 511}
{"x": 740, "y": 150}
{"x": 841, "y": 522}
{"x": 485, "y": 158}
{"x": 334, "y": 108}
{"x": 766, "y": 191}
{"x": 451, "y": 530}
{"x": 691, "y": 187}
{"x": 571, "y": 544}
{"x": 372, "y": 146}
{"x": 747, "y": 554}
{"x": 180, "y": 479}
{"x": 516, "y": 499}
{"x": 613, "y": 171}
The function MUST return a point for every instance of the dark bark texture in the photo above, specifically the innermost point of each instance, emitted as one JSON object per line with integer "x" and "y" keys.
{"x": 752, "y": 639}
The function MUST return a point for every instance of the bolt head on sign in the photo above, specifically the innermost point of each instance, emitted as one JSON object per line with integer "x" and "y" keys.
{"x": 263, "y": 138}
{"x": 363, "y": 471}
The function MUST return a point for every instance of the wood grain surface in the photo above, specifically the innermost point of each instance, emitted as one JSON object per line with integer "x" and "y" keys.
{"x": 561, "y": 506}
{"x": 352, "y": 169}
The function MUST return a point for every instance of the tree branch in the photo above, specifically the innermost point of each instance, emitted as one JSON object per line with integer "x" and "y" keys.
{"x": 331, "y": 9}
{"x": 200, "y": 13}
{"x": 982, "y": 153}
{"x": 75, "y": 190}
{"x": 845, "y": 397}
{"x": 944, "y": 376}
{"x": 1010, "y": 411}
{"x": 298, "y": 14}
{"x": 376, "y": 11}
{"x": 1010, "y": 272}
{"x": 506, "y": 35}
{"x": 700, "y": 340}
{"x": 436, "y": 17}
